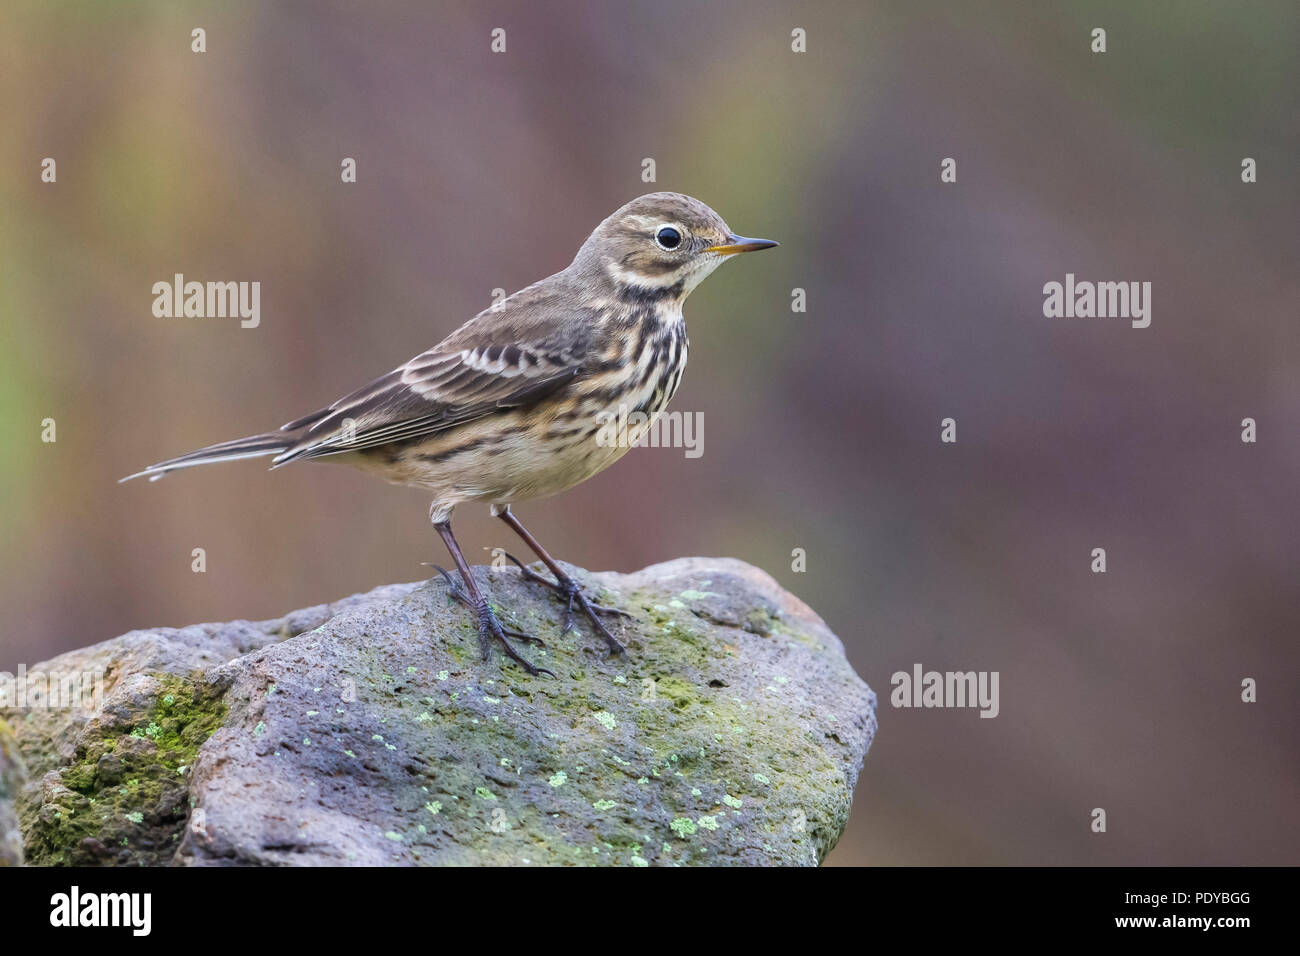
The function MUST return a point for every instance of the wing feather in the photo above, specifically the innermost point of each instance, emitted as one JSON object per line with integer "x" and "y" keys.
{"x": 434, "y": 391}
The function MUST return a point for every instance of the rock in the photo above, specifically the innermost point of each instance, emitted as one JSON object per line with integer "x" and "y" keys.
{"x": 12, "y": 775}
{"x": 369, "y": 732}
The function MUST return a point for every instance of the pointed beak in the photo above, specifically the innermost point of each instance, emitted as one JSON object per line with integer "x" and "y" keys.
{"x": 736, "y": 244}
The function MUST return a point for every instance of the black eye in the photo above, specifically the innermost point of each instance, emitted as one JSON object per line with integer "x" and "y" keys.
{"x": 668, "y": 238}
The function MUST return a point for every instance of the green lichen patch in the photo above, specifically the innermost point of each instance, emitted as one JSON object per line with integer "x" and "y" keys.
{"x": 124, "y": 797}
{"x": 683, "y": 827}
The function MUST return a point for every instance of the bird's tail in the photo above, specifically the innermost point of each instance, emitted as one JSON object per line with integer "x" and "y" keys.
{"x": 254, "y": 446}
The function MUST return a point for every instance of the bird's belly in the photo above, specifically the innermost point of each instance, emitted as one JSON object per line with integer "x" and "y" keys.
{"x": 516, "y": 457}
{"x": 552, "y": 458}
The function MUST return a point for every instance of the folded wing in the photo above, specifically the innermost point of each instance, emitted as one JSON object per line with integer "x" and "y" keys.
{"x": 434, "y": 391}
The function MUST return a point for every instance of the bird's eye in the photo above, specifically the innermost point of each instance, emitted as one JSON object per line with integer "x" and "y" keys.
{"x": 668, "y": 238}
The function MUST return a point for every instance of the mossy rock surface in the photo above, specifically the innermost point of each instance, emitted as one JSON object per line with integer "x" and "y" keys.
{"x": 370, "y": 732}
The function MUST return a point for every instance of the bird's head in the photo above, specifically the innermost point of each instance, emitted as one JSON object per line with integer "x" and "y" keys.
{"x": 662, "y": 244}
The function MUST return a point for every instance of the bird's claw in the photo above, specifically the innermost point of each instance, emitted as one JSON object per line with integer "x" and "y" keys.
{"x": 568, "y": 589}
{"x": 490, "y": 626}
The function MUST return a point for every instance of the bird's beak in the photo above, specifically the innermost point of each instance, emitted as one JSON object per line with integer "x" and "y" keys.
{"x": 736, "y": 244}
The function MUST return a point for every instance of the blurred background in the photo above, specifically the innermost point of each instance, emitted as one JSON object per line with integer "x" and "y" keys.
{"x": 924, "y": 300}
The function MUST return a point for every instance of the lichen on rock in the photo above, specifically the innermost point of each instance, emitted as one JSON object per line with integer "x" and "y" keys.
{"x": 370, "y": 732}
{"x": 123, "y": 797}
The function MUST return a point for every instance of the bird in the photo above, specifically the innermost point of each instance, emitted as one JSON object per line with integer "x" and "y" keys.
{"x": 510, "y": 407}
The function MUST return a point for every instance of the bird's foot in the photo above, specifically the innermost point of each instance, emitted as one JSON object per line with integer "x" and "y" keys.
{"x": 569, "y": 590}
{"x": 490, "y": 626}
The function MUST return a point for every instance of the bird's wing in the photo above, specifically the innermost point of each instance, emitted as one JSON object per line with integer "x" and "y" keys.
{"x": 490, "y": 364}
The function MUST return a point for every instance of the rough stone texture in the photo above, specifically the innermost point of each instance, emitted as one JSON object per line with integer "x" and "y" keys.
{"x": 370, "y": 732}
{"x": 109, "y": 784}
{"x": 12, "y": 776}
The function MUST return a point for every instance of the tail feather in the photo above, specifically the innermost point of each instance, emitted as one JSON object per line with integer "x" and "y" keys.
{"x": 254, "y": 446}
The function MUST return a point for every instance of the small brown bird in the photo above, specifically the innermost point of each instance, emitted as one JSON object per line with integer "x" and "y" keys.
{"x": 511, "y": 406}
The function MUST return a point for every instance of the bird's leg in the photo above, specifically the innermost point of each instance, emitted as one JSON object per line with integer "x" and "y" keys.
{"x": 458, "y": 592}
{"x": 488, "y": 625}
{"x": 566, "y": 586}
